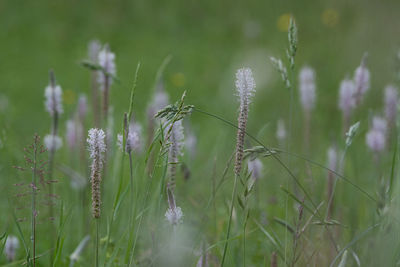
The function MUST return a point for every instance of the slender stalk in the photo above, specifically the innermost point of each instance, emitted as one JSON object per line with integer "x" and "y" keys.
{"x": 96, "y": 256}
{"x": 230, "y": 220}
{"x": 33, "y": 208}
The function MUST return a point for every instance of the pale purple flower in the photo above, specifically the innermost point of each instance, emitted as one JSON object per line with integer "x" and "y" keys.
{"x": 391, "y": 102}
{"x": 71, "y": 134}
{"x": 361, "y": 80}
{"x": 280, "y": 130}
{"x": 376, "y": 136}
{"x": 94, "y": 50}
{"x": 245, "y": 85}
{"x": 106, "y": 60}
{"x": 346, "y": 96}
{"x": 82, "y": 107}
{"x": 307, "y": 88}
{"x": 174, "y": 216}
{"x": 96, "y": 142}
{"x": 52, "y": 142}
{"x": 134, "y": 140}
{"x": 10, "y": 248}
{"x": 53, "y": 95}
{"x": 255, "y": 168}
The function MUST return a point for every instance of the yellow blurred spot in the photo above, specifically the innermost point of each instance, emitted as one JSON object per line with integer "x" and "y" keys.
{"x": 330, "y": 17}
{"x": 69, "y": 97}
{"x": 178, "y": 79}
{"x": 283, "y": 22}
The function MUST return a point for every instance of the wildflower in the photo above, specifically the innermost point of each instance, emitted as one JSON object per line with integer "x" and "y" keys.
{"x": 82, "y": 107}
{"x": 255, "y": 168}
{"x": 52, "y": 142}
{"x": 307, "y": 88}
{"x": 106, "y": 60}
{"x": 361, "y": 80}
{"x": 346, "y": 96}
{"x": 174, "y": 214}
{"x": 376, "y": 136}
{"x": 10, "y": 248}
{"x": 245, "y": 86}
{"x": 53, "y": 95}
{"x": 280, "y": 130}
{"x": 96, "y": 148}
{"x": 73, "y": 133}
{"x": 391, "y": 102}
{"x": 133, "y": 139}
{"x": 94, "y": 50}
{"x": 332, "y": 158}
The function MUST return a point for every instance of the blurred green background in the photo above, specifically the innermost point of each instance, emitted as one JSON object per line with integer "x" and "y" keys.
{"x": 208, "y": 40}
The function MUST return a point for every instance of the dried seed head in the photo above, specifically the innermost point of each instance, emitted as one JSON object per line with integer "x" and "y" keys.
{"x": 52, "y": 142}
{"x": 391, "y": 102}
{"x": 255, "y": 168}
{"x": 346, "y": 96}
{"x": 106, "y": 60}
{"x": 361, "y": 79}
{"x": 245, "y": 87}
{"x": 307, "y": 88}
{"x": 97, "y": 147}
{"x": 53, "y": 95}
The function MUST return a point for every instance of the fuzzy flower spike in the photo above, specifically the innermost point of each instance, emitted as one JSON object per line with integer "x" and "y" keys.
{"x": 307, "y": 88}
{"x": 107, "y": 62}
{"x": 97, "y": 149}
{"x": 376, "y": 136}
{"x": 361, "y": 80}
{"x": 176, "y": 141}
{"x": 245, "y": 86}
{"x": 53, "y": 95}
{"x": 391, "y": 103}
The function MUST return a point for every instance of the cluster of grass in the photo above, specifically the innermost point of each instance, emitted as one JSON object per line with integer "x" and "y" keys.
{"x": 280, "y": 219}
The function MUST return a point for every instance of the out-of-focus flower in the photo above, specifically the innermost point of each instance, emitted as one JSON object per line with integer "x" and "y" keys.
{"x": 52, "y": 142}
{"x": 376, "y": 136}
{"x": 346, "y": 96}
{"x": 255, "y": 168}
{"x": 361, "y": 80}
{"x": 307, "y": 88}
{"x": 281, "y": 131}
{"x": 391, "y": 103}
{"x": 106, "y": 60}
{"x": 53, "y": 95}
{"x": 10, "y": 248}
{"x": 330, "y": 17}
{"x": 283, "y": 22}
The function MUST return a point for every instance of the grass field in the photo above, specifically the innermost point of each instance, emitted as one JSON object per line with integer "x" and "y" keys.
{"x": 197, "y": 47}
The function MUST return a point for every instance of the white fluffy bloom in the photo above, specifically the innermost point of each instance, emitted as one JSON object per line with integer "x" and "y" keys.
{"x": 255, "y": 168}
{"x": 174, "y": 215}
{"x": 280, "y": 130}
{"x": 391, "y": 102}
{"x": 346, "y": 96}
{"x": 53, "y": 101}
{"x": 107, "y": 62}
{"x": 245, "y": 85}
{"x": 376, "y": 136}
{"x": 52, "y": 142}
{"x": 71, "y": 134}
{"x": 96, "y": 143}
{"x": 133, "y": 140}
{"x": 93, "y": 50}
{"x": 307, "y": 88}
{"x": 11, "y": 247}
{"x": 361, "y": 80}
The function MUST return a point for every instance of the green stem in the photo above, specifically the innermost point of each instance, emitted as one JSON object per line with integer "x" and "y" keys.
{"x": 230, "y": 220}
{"x": 96, "y": 259}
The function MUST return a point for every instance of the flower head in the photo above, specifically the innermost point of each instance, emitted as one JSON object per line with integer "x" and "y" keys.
{"x": 245, "y": 85}
{"x": 346, "y": 96}
{"x": 53, "y": 95}
{"x": 376, "y": 136}
{"x": 255, "y": 168}
{"x": 93, "y": 50}
{"x": 96, "y": 143}
{"x": 307, "y": 88}
{"x": 106, "y": 60}
{"x": 391, "y": 102}
{"x": 10, "y": 248}
{"x": 361, "y": 80}
{"x": 133, "y": 139}
{"x": 280, "y": 130}
{"x": 174, "y": 216}
{"x": 52, "y": 142}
